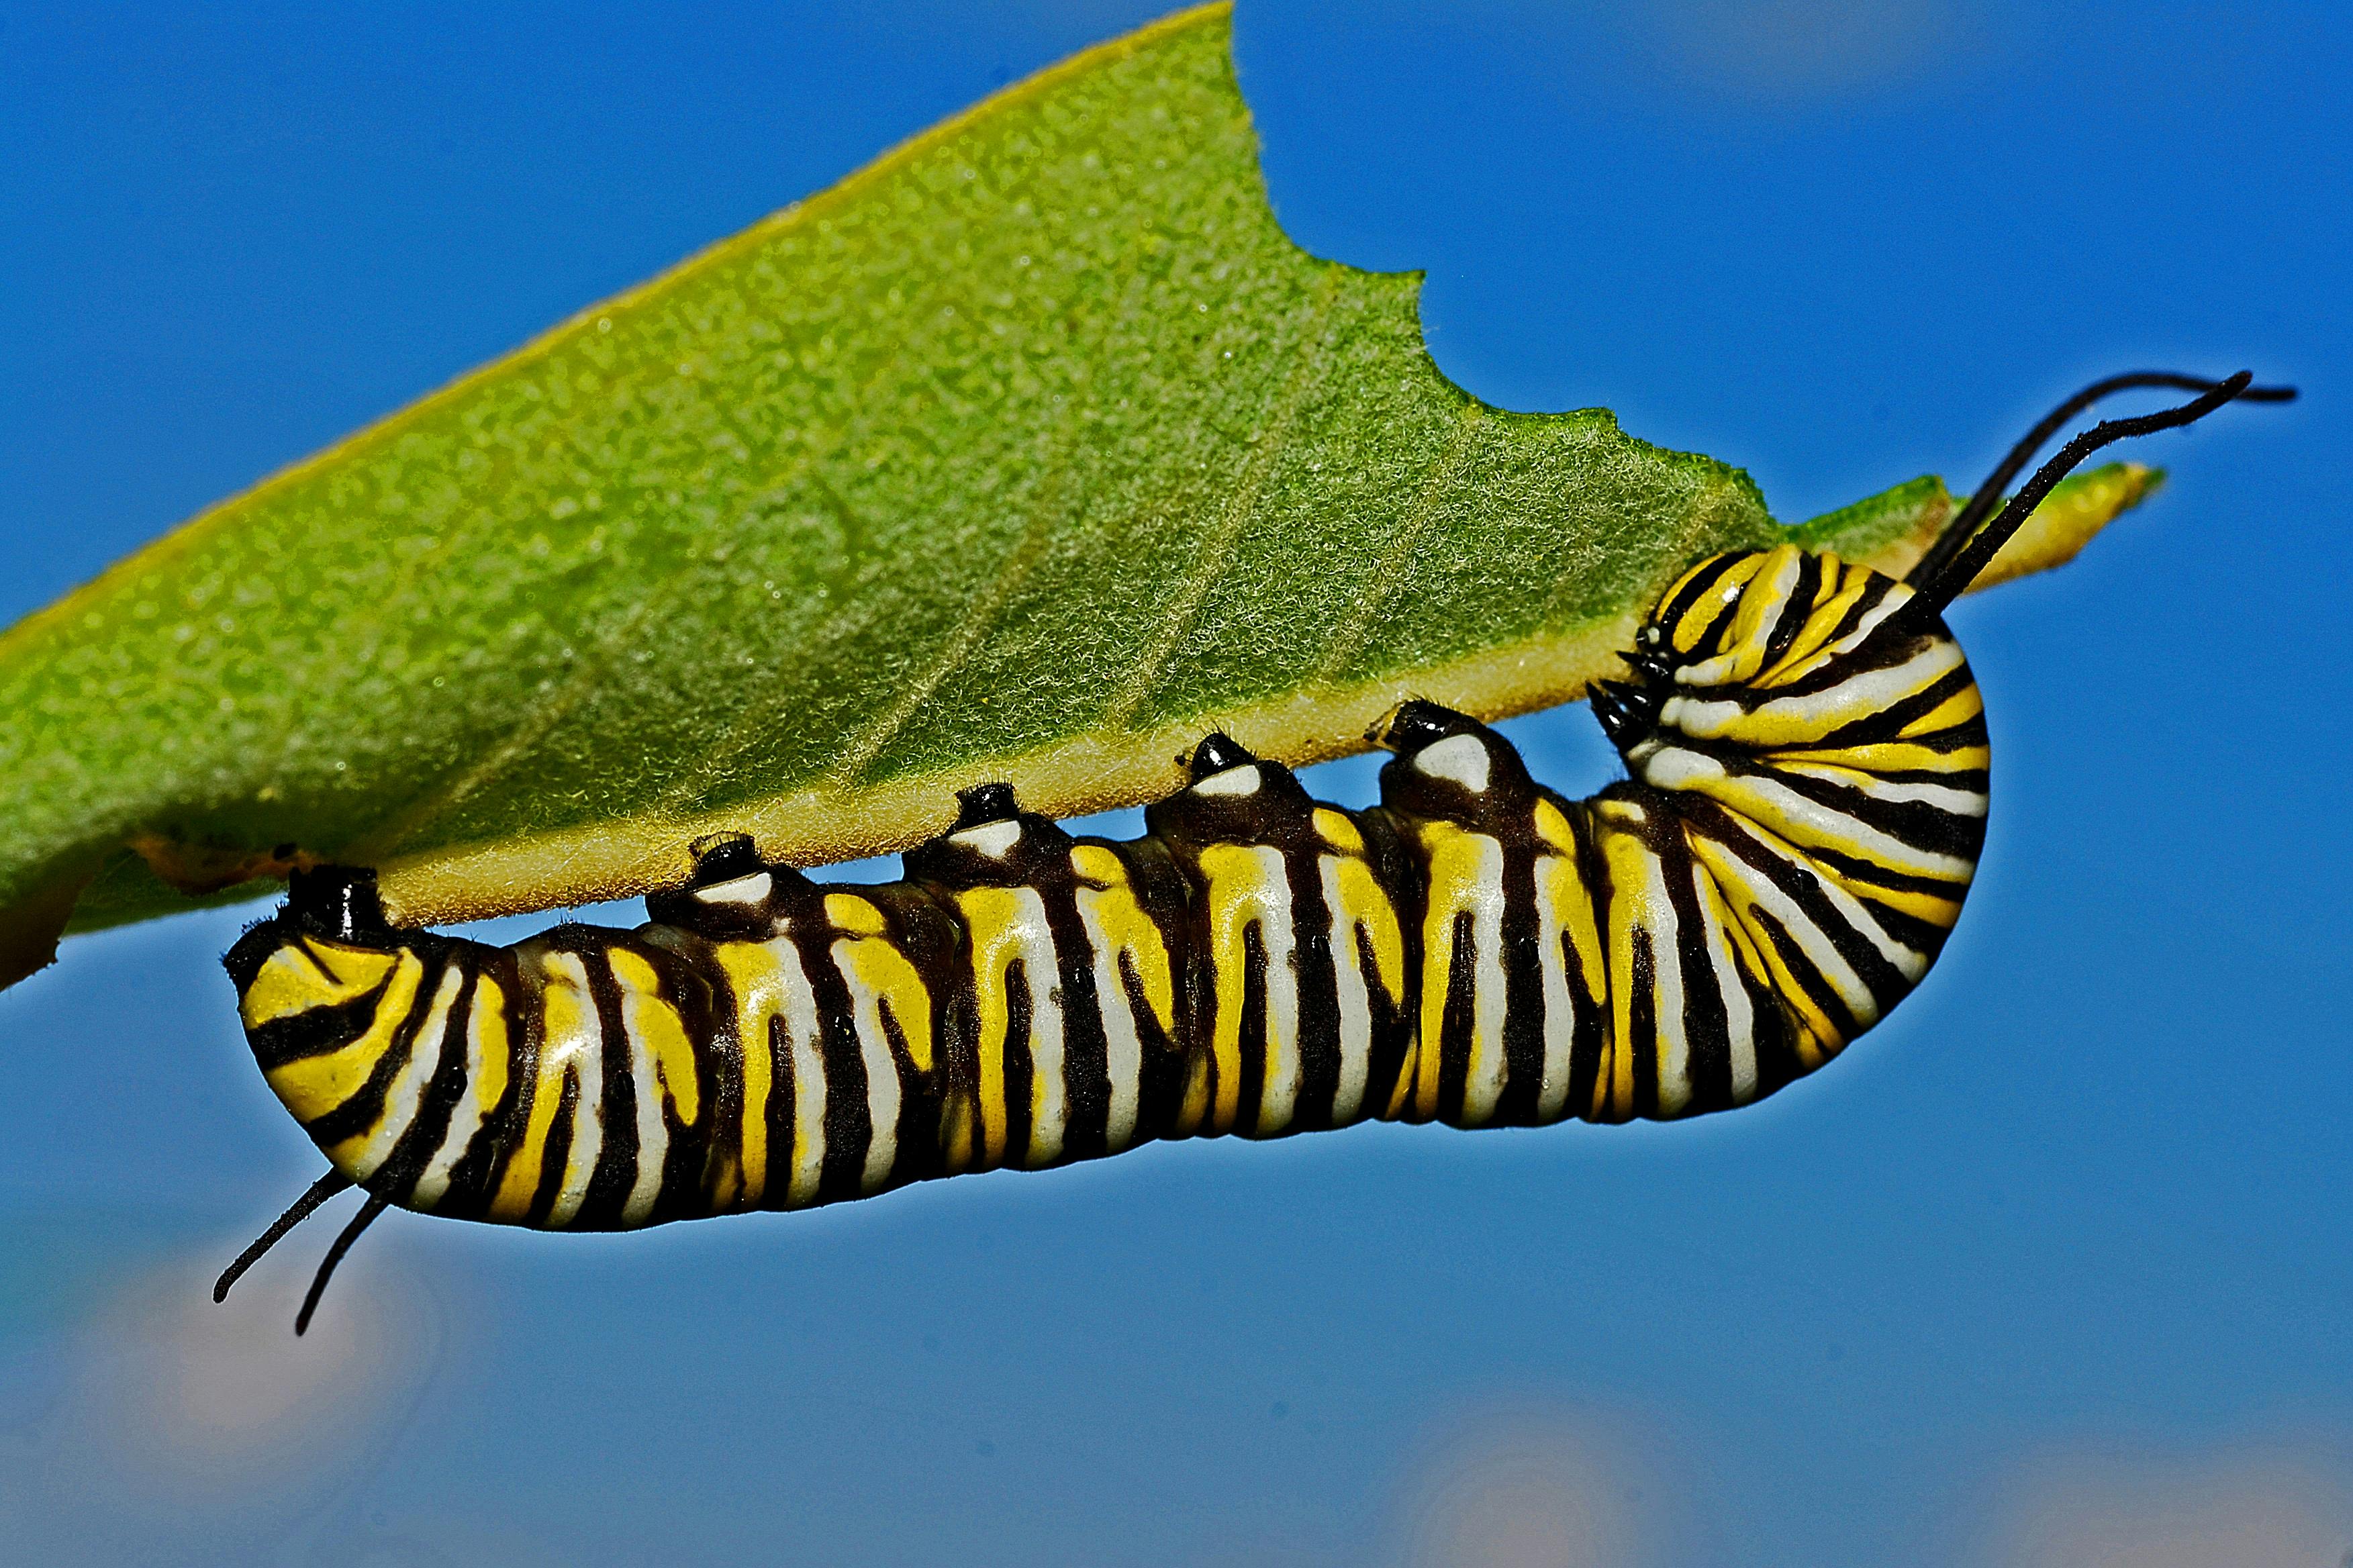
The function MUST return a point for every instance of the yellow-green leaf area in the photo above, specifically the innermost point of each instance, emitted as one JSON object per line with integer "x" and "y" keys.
{"x": 1031, "y": 452}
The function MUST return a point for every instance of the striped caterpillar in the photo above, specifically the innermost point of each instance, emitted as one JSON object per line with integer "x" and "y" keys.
{"x": 1805, "y": 805}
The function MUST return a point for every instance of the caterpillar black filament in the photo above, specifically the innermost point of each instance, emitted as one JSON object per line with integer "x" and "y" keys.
{"x": 1806, "y": 803}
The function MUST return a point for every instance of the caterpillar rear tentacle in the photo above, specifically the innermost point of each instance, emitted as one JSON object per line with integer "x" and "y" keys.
{"x": 1804, "y": 809}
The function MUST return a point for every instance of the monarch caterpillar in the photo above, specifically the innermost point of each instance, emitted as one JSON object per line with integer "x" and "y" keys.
{"x": 1806, "y": 800}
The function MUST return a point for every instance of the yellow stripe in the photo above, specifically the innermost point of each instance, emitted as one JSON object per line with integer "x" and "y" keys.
{"x": 1242, "y": 894}
{"x": 562, "y": 1024}
{"x": 653, "y": 1026}
{"x": 992, "y": 917}
{"x": 1958, "y": 709}
{"x": 313, "y": 1086}
{"x": 854, "y": 915}
{"x": 487, "y": 1041}
{"x": 1364, "y": 906}
{"x": 1940, "y": 912}
{"x": 885, "y": 971}
{"x": 1845, "y": 589}
{"x": 1893, "y": 756}
{"x": 1692, "y": 625}
{"x": 308, "y": 972}
{"x": 1457, "y": 861}
{"x": 1120, "y": 915}
{"x": 1760, "y": 609}
{"x": 1334, "y": 828}
{"x": 1573, "y": 901}
{"x": 1635, "y": 903}
{"x": 755, "y": 977}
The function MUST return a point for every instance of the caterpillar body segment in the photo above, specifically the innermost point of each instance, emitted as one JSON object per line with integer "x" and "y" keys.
{"x": 1803, "y": 812}
{"x": 1804, "y": 808}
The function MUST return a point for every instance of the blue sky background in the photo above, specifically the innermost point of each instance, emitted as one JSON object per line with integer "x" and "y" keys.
{"x": 2056, "y": 1268}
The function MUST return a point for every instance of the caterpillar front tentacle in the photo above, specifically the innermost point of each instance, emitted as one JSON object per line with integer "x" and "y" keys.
{"x": 1803, "y": 812}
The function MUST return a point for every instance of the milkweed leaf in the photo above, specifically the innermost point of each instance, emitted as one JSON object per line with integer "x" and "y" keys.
{"x": 1031, "y": 452}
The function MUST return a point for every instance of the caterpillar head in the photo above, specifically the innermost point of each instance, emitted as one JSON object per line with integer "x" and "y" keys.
{"x": 1745, "y": 648}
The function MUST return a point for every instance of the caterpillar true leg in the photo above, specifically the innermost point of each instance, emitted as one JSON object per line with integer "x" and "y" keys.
{"x": 1806, "y": 799}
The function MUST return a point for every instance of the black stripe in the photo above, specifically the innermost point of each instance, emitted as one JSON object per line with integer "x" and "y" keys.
{"x": 615, "y": 1108}
{"x": 314, "y": 1031}
{"x": 1458, "y": 1020}
{"x": 719, "y": 1064}
{"x": 1669, "y": 617}
{"x": 1771, "y": 1028}
{"x": 1874, "y": 593}
{"x": 1802, "y": 886}
{"x": 1794, "y": 611}
{"x": 1853, "y": 870}
{"x": 450, "y": 1083}
{"x": 365, "y": 1106}
{"x": 848, "y": 1126}
{"x": 1969, "y": 781}
{"x": 1593, "y": 1025}
{"x": 1086, "y": 1050}
{"x": 694, "y": 987}
{"x": 1802, "y": 969}
{"x": 1399, "y": 870}
{"x": 1888, "y": 723}
{"x": 1020, "y": 1070}
{"x": 1708, "y": 1025}
{"x": 474, "y": 1180}
{"x": 1160, "y": 891}
{"x": 556, "y": 1156}
{"x": 1915, "y": 822}
{"x": 1641, "y": 1042}
{"x": 1924, "y": 937}
{"x": 1251, "y": 1048}
{"x": 782, "y": 1113}
{"x": 1313, "y": 923}
{"x": 915, "y": 1153}
{"x": 1524, "y": 999}
{"x": 1391, "y": 1035}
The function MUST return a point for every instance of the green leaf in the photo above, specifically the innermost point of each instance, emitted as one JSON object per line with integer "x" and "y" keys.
{"x": 1031, "y": 452}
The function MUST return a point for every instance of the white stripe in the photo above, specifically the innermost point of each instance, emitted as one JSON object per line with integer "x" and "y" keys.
{"x": 582, "y": 1057}
{"x": 1667, "y": 1023}
{"x": 994, "y": 839}
{"x": 882, "y": 1088}
{"x": 801, "y": 1047}
{"x": 1560, "y": 1001}
{"x": 1462, "y": 758}
{"x": 1354, "y": 997}
{"x": 1945, "y": 797}
{"x": 1279, "y": 1098}
{"x": 465, "y": 1120}
{"x": 1243, "y": 779}
{"x": 653, "y": 1130}
{"x": 407, "y": 1093}
{"x": 752, "y": 889}
{"x": 1772, "y": 804}
{"x": 1740, "y": 1013}
{"x": 1123, "y": 1045}
{"x": 1482, "y": 1083}
{"x": 1865, "y": 692}
{"x": 1049, "y": 1105}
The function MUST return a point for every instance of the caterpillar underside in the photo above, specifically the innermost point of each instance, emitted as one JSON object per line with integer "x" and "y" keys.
{"x": 1804, "y": 811}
